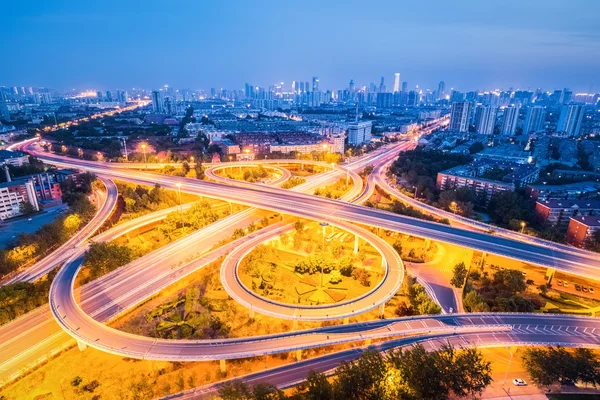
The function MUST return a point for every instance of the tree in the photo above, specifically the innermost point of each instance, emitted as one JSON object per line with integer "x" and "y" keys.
{"x": 459, "y": 274}
{"x": 398, "y": 247}
{"x": 362, "y": 379}
{"x": 317, "y": 387}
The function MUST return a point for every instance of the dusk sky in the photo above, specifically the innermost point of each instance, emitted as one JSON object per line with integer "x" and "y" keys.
{"x": 202, "y": 44}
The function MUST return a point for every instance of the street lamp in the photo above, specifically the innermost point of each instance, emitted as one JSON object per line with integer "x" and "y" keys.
{"x": 508, "y": 368}
{"x": 192, "y": 159}
{"x": 522, "y": 226}
{"x": 453, "y": 207}
{"x": 180, "y": 206}
{"x": 144, "y": 150}
{"x": 324, "y": 225}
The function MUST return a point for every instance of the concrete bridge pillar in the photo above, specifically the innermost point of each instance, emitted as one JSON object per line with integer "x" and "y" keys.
{"x": 295, "y": 325}
{"x": 298, "y": 355}
{"x": 222, "y": 366}
{"x": 368, "y": 342}
{"x": 382, "y": 311}
{"x": 230, "y": 208}
{"x": 252, "y": 313}
{"x": 427, "y": 244}
{"x": 550, "y": 275}
{"x": 82, "y": 346}
{"x": 483, "y": 255}
{"x": 346, "y": 320}
{"x": 355, "y": 244}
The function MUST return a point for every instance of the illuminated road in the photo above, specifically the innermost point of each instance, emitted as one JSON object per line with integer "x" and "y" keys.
{"x": 62, "y": 253}
{"x": 282, "y": 174}
{"x": 323, "y": 209}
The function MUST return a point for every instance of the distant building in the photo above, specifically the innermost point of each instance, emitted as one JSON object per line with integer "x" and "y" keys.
{"x": 359, "y": 132}
{"x": 228, "y": 147}
{"x": 397, "y": 82}
{"x": 460, "y": 116}
{"x": 16, "y": 158}
{"x": 558, "y": 212}
{"x": 582, "y": 228}
{"x": 13, "y": 195}
{"x": 384, "y": 100}
{"x": 570, "y": 120}
{"x": 157, "y": 102}
{"x": 485, "y": 117}
{"x": 487, "y": 177}
{"x": 511, "y": 118}
{"x": 441, "y": 90}
{"x": 534, "y": 122}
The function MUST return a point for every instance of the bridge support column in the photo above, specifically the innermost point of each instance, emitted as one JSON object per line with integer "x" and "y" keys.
{"x": 230, "y": 208}
{"x": 295, "y": 325}
{"x": 382, "y": 311}
{"x": 82, "y": 346}
{"x": 483, "y": 255}
{"x": 550, "y": 275}
{"x": 346, "y": 320}
{"x": 252, "y": 313}
{"x": 298, "y": 355}
{"x": 222, "y": 366}
{"x": 427, "y": 244}
{"x": 355, "y": 244}
{"x": 368, "y": 342}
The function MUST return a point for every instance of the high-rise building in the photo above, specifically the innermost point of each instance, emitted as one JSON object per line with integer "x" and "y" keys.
{"x": 460, "y": 116}
{"x": 404, "y": 87}
{"x": 315, "y": 84}
{"x": 359, "y": 132}
{"x": 570, "y": 120}
{"x": 534, "y": 121}
{"x": 157, "y": 102}
{"x": 351, "y": 86}
{"x": 511, "y": 118}
{"x": 99, "y": 95}
{"x": 485, "y": 119}
{"x": 109, "y": 96}
{"x": 396, "y": 82}
{"x": 441, "y": 90}
{"x": 382, "y": 86}
{"x": 384, "y": 100}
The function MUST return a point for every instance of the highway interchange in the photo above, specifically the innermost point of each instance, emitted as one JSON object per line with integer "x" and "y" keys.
{"x": 104, "y": 298}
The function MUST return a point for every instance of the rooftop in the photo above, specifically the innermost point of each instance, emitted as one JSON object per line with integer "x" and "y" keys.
{"x": 562, "y": 203}
{"x": 589, "y": 220}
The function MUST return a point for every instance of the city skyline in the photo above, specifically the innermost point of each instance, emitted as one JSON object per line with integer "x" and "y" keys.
{"x": 203, "y": 47}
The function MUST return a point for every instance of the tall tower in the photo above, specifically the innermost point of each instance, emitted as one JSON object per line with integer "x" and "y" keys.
{"x": 441, "y": 90}
{"x": 485, "y": 117}
{"x": 396, "y": 82}
{"x": 382, "y": 86}
{"x": 315, "y": 84}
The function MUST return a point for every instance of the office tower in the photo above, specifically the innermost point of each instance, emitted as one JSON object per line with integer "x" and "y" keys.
{"x": 315, "y": 84}
{"x": 157, "y": 101}
{"x": 46, "y": 98}
{"x": 381, "y": 86}
{"x": 570, "y": 120}
{"x": 396, "y": 82}
{"x": 384, "y": 100}
{"x": 404, "y": 87}
{"x": 534, "y": 121}
{"x": 359, "y": 132}
{"x": 441, "y": 90}
{"x": 99, "y": 95}
{"x": 306, "y": 87}
{"x": 511, "y": 118}
{"x": 485, "y": 119}
{"x": 567, "y": 96}
{"x": 351, "y": 86}
{"x": 460, "y": 116}
{"x": 109, "y": 95}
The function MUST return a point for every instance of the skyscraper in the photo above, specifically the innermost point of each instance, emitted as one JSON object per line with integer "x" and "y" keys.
{"x": 485, "y": 119}
{"x": 441, "y": 90}
{"x": 460, "y": 115}
{"x": 315, "y": 84}
{"x": 157, "y": 101}
{"x": 404, "y": 87}
{"x": 511, "y": 117}
{"x": 382, "y": 86}
{"x": 534, "y": 121}
{"x": 396, "y": 82}
{"x": 570, "y": 120}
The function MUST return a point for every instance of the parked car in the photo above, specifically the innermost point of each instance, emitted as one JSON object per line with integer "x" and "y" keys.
{"x": 559, "y": 282}
{"x": 578, "y": 288}
{"x": 585, "y": 289}
{"x": 591, "y": 290}
{"x": 519, "y": 382}
{"x": 566, "y": 284}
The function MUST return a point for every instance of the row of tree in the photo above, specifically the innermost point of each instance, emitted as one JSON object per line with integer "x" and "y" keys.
{"x": 407, "y": 374}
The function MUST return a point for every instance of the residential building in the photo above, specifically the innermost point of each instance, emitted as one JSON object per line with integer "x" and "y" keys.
{"x": 13, "y": 195}
{"x": 485, "y": 117}
{"x": 534, "y": 122}
{"x": 359, "y": 132}
{"x": 558, "y": 212}
{"x": 570, "y": 120}
{"x": 157, "y": 102}
{"x": 582, "y": 228}
{"x": 460, "y": 116}
{"x": 511, "y": 118}
{"x": 16, "y": 158}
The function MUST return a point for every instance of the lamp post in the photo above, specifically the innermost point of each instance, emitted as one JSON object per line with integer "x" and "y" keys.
{"x": 522, "y": 226}
{"x": 324, "y": 151}
{"x": 324, "y": 225}
{"x": 453, "y": 206}
{"x": 508, "y": 368}
{"x": 145, "y": 160}
{"x": 180, "y": 206}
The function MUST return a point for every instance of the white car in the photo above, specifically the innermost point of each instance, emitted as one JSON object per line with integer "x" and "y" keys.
{"x": 519, "y": 382}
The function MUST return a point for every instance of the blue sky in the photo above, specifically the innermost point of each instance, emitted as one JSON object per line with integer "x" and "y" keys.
{"x": 202, "y": 44}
